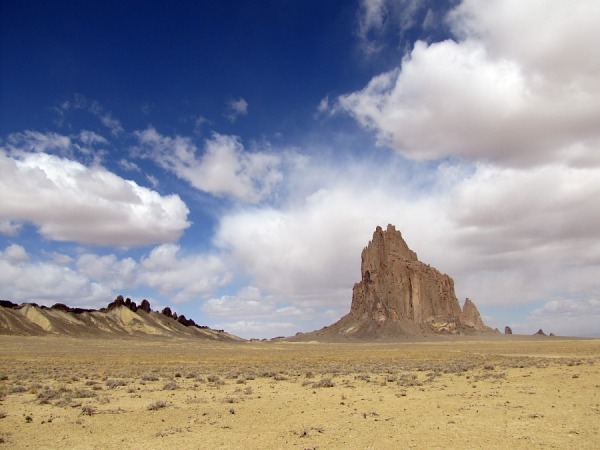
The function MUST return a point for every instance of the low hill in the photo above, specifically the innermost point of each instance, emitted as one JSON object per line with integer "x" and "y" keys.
{"x": 121, "y": 318}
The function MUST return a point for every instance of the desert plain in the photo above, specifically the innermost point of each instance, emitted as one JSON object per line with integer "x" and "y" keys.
{"x": 449, "y": 392}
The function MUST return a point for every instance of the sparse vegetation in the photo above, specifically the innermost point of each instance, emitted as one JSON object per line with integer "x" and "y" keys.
{"x": 150, "y": 377}
{"x": 324, "y": 383}
{"x": 170, "y": 386}
{"x": 17, "y": 389}
{"x": 376, "y": 388}
{"x": 87, "y": 410}
{"x": 158, "y": 404}
{"x": 113, "y": 383}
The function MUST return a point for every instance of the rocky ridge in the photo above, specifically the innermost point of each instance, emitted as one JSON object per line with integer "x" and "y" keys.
{"x": 121, "y": 318}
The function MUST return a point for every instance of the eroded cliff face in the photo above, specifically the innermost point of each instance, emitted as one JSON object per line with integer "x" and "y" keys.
{"x": 397, "y": 287}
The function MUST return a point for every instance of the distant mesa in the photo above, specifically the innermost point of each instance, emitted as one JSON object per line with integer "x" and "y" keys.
{"x": 398, "y": 295}
{"x": 120, "y": 318}
{"x": 540, "y": 332}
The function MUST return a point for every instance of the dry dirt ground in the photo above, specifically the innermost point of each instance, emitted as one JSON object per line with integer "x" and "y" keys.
{"x": 507, "y": 392}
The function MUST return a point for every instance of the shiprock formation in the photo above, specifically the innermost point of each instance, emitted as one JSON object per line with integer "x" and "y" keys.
{"x": 399, "y": 295}
{"x": 121, "y": 318}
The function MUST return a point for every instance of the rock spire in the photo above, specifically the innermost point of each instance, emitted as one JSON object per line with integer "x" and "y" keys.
{"x": 399, "y": 292}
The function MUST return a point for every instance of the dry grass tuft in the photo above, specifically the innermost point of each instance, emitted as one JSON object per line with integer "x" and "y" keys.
{"x": 155, "y": 406}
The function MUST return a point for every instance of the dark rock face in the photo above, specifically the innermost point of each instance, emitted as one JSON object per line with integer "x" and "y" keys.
{"x": 507, "y": 330}
{"x": 119, "y": 301}
{"x": 131, "y": 305}
{"x": 540, "y": 332}
{"x": 68, "y": 309}
{"x": 186, "y": 322}
{"x": 8, "y": 304}
{"x": 145, "y": 306}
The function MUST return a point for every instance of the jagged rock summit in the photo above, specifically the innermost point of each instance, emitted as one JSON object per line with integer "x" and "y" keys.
{"x": 398, "y": 295}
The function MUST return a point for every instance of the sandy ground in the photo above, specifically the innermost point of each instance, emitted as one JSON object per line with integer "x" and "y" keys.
{"x": 508, "y": 392}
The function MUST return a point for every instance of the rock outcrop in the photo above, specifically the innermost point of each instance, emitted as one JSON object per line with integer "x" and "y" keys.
{"x": 399, "y": 295}
{"x": 507, "y": 330}
{"x": 145, "y": 306}
{"x": 470, "y": 316}
{"x": 397, "y": 286}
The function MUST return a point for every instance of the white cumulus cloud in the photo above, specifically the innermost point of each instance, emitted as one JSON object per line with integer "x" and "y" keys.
{"x": 182, "y": 277}
{"x": 68, "y": 201}
{"x": 46, "y": 282}
{"x": 224, "y": 168}
{"x": 517, "y": 87}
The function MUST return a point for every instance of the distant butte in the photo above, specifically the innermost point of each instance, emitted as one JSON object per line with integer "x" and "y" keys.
{"x": 398, "y": 295}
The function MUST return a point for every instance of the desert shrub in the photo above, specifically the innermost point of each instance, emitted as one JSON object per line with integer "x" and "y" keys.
{"x": 279, "y": 377}
{"x": 267, "y": 374}
{"x": 47, "y": 395}
{"x": 149, "y": 377}
{"x": 34, "y": 388}
{"x": 113, "y": 383}
{"x": 17, "y": 389}
{"x": 408, "y": 380}
{"x": 213, "y": 378}
{"x": 158, "y": 404}
{"x": 87, "y": 410}
{"x": 83, "y": 393}
{"x": 324, "y": 383}
{"x": 170, "y": 386}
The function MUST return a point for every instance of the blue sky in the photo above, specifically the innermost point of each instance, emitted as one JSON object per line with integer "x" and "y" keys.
{"x": 231, "y": 159}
